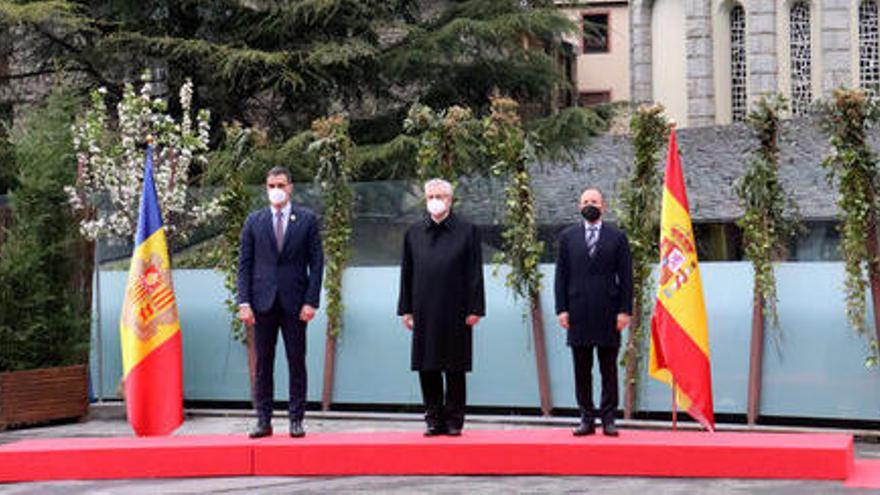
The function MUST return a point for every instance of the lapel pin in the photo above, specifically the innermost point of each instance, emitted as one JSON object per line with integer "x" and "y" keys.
{"x": 292, "y": 217}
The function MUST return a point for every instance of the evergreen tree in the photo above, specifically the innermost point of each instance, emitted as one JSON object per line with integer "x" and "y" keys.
{"x": 43, "y": 321}
{"x": 284, "y": 64}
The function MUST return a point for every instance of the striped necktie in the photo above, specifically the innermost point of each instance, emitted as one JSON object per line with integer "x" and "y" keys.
{"x": 592, "y": 239}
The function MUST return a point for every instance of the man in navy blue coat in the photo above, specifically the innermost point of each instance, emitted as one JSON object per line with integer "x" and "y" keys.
{"x": 280, "y": 267}
{"x": 594, "y": 291}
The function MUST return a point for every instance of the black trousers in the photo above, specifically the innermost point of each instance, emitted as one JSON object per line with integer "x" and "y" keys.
{"x": 440, "y": 412}
{"x": 293, "y": 330}
{"x": 583, "y": 381}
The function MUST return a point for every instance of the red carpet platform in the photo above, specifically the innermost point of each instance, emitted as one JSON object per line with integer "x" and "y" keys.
{"x": 524, "y": 452}
{"x": 866, "y": 474}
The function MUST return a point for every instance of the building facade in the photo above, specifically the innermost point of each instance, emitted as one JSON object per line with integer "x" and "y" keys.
{"x": 708, "y": 61}
{"x": 601, "y": 50}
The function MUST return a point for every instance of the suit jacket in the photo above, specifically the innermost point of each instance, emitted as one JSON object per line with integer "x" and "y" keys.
{"x": 593, "y": 290}
{"x": 293, "y": 275}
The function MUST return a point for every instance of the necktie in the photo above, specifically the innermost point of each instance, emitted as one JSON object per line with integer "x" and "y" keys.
{"x": 279, "y": 229}
{"x": 592, "y": 237}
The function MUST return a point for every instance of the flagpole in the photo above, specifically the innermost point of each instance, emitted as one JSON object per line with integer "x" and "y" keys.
{"x": 671, "y": 124}
{"x": 99, "y": 339}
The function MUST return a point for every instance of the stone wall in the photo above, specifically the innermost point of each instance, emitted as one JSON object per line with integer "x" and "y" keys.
{"x": 836, "y": 45}
{"x": 641, "y": 89}
{"x": 698, "y": 46}
{"x": 762, "y": 52}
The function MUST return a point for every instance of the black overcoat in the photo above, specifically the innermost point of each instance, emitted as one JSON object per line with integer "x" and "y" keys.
{"x": 593, "y": 290}
{"x": 441, "y": 283}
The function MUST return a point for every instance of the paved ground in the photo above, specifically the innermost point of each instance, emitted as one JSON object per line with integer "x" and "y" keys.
{"x": 234, "y": 423}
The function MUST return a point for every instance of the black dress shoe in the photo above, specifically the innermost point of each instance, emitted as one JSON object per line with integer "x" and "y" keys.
{"x": 433, "y": 431}
{"x": 296, "y": 429}
{"x": 609, "y": 430}
{"x": 261, "y": 430}
{"x": 453, "y": 431}
{"x": 584, "y": 429}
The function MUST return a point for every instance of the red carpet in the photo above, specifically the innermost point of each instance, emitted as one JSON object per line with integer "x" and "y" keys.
{"x": 548, "y": 451}
{"x": 866, "y": 474}
{"x": 118, "y": 458}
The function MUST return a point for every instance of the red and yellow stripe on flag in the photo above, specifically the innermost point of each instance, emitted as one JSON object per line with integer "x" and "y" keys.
{"x": 149, "y": 327}
{"x": 679, "y": 332}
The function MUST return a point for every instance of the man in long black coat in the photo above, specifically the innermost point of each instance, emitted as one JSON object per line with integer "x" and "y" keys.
{"x": 441, "y": 300}
{"x": 594, "y": 302}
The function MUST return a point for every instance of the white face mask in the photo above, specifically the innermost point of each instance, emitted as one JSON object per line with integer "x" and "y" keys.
{"x": 277, "y": 196}
{"x": 436, "y": 207}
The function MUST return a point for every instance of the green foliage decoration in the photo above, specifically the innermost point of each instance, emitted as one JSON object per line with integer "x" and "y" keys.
{"x": 508, "y": 148}
{"x": 333, "y": 148}
{"x": 446, "y": 141}
{"x": 769, "y": 219}
{"x": 639, "y": 215}
{"x": 230, "y": 165}
{"x": 852, "y": 163}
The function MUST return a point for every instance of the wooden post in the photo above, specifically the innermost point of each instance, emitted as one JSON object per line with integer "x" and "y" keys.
{"x": 756, "y": 357}
{"x": 541, "y": 355}
{"x": 632, "y": 364}
{"x": 329, "y": 367}
{"x": 874, "y": 276}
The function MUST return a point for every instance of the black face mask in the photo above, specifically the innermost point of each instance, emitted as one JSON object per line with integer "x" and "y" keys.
{"x": 591, "y": 213}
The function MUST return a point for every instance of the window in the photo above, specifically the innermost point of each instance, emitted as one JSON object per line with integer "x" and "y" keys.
{"x": 738, "y": 99}
{"x": 596, "y": 33}
{"x": 869, "y": 48}
{"x": 591, "y": 98}
{"x": 800, "y": 45}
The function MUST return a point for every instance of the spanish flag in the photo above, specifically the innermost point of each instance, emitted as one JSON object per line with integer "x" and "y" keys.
{"x": 149, "y": 327}
{"x": 679, "y": 333}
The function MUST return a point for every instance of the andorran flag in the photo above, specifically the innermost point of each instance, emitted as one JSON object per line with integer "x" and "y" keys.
{"x": 679, "y": 332}
{"x": 149, "y": 326}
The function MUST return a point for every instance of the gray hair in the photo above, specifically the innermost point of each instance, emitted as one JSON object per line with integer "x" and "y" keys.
{"x": 439, "y": 183}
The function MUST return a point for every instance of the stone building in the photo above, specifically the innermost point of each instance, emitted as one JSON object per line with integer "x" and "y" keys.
{"x": 708, "y": 61}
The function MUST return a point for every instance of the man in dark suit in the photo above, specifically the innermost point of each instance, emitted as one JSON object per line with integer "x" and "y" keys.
{"x": 280, "y": 267}
{"x": 594, "y": 304}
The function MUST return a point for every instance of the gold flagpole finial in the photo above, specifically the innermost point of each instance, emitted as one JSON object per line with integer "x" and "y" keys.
{"x": 149, "y": 139}
{"x": 671, "y": 123}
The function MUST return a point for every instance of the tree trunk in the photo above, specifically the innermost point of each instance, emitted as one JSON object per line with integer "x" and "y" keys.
{"x": 5, "y": 221}
{"x": 757, "y": 357}
{"x": 541, "y": 355}
{"x": 329, "y": 367}
{"x": 632, "y": 362}
{"x": 874, "y": 277}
